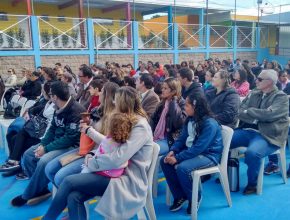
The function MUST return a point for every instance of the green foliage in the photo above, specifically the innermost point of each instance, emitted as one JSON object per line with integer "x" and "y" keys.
{"x": 74, "y": 34}
{"x": 109, "y": 37}
{"x": 55, "y": 37}
{"x": 11, "y": 37}
{"x": 64, "y": 39}
{"x": 20, "y": 36}
{"x": 1, "y": 40}
{"x": 45, "y": 37}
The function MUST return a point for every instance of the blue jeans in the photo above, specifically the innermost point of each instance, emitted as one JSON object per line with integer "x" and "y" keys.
{"x": 56, "y": 173}
{"x": 164, "y": 148}
{"x": 257, "y": 148}
{"x": 179, "y": 180}
{"x": 73, "y": 192}
{"x": 34, "y": 168}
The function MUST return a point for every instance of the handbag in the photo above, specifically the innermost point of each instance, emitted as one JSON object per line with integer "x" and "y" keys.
{"x": 36, "y": 126}
{"x": 86, "y": 144}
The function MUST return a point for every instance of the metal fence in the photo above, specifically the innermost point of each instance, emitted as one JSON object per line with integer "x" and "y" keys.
{"x": 72, "y": 33}
{"x": 62, "y": 33}
{"x": 15, "y": 32}
{"x": 221, "y": 36}
{"x": 155, "y": 35}
{"x": 246, "y": 37}
{"x": 112, "y": 34}
{"x": 191, "y": 36}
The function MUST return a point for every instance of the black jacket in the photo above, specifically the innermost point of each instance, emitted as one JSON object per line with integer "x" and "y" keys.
{"x": 64, "y": 129}
{"x": 225, "y": 106}
{"x": 31, "y": 89}
{"x": 174, "y": 119}
{"x": 193, "y": 88}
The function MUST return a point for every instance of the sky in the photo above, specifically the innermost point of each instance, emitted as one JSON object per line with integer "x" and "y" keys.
{"x": 245, "y": 7}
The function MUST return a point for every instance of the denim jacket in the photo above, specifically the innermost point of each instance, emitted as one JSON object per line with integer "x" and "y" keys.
{"x": 208, "y": 142}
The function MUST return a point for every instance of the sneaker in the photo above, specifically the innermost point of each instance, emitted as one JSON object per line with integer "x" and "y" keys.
{"x": 188, "y": 210}
{"x": 271, "y": 168}
{"x": 18, "y": 201}
{"x": 21, "y": 176}
{"x": 40, "y": 198}
{"x": 10, "y": 173}
{"x": 9, "y": 166}
{"x": 177, "y": 204}
{"x": 250, "y": 190}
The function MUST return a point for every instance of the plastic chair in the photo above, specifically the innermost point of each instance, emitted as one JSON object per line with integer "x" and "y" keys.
{"x": 14, "y": 100}
{"x": 21, "y": 102}
{"x": 281, "y": 153}
{"x": 26, "y": 106}
{"x": 155, "y": 177}
{"x": 221, "y": 169}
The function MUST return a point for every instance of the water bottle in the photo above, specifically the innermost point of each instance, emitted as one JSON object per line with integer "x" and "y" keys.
{"x": 233, "y": 174}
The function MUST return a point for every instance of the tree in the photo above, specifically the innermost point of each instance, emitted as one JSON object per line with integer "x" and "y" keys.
{"x": 20, "y": 36}
{"x": 45, "y": 37}
{"x": 10, "y": 38}
{"x": 64, "y": 39}
{"x": 55, "y": 38}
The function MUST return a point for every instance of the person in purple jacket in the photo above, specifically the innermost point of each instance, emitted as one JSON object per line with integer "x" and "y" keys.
{"x": 199, "y": 146}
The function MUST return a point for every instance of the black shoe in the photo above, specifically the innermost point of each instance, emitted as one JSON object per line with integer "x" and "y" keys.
{"x": 18, "y": 201}
{"x": 250, "y": 190}
{"x": 10, "y": 173}
{"x": 9, "y": 166}
{"x": 288, "y": 173}
{"x": 44, "y": 195}
{"x": 177, "y": 204}
{"x": 21, "y": 176}
{"x": 205, "y": 178}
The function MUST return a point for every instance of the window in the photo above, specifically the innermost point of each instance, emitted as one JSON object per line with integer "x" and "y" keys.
{"x": 61, "y": 18}
{"x": 3, "y": 16}
{"x": 45, "y": 17}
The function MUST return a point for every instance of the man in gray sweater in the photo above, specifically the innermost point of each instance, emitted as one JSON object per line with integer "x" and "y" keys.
{"x": 263, "y": 127}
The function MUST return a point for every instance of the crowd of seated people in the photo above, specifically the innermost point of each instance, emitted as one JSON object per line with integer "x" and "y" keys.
{"x": 180, "y": 107}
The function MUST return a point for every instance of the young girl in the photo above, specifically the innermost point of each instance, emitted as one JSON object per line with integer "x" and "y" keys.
{"x": 120, "y": 127}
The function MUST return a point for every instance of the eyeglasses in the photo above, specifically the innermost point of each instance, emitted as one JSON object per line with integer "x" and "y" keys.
{"x": 81, "y": 76}
{"x": 261, "y": 79}
{"x": 9, "y": 71}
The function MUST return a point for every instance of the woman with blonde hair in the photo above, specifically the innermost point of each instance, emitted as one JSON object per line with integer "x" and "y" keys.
{"x": 126, "y": 195}
{"x": 168, "y": 118}
{"x": 54, "y": 170}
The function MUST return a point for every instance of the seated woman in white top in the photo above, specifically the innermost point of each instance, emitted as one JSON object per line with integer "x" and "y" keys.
{"x": 12, "y": 78}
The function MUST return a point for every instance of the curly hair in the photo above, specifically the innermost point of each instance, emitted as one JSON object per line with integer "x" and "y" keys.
{"x": 120, "y": 126}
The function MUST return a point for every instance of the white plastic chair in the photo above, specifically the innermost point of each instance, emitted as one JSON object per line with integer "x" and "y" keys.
{"x": 281, "y": 153}
{"x": 21, "y": 102}
{"x": 14, "y": 100}
{"x": 155, "y": 177}
{"x": 26, "y": 106}
{"x": 221, "y": 169}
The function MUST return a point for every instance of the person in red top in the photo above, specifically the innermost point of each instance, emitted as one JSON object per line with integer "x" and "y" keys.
{"x": 95, "y": 89}
{"x": 131, "y": 69}
{"x": 240, "y": 83}
{"x": 159, "y": 69}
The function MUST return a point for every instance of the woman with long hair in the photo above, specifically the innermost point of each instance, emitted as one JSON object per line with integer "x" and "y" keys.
{"x": 240, "y": 83}
{"x": 54, "y": 170}
{"x": 223, "y": 100}
{"x": 128, "y": 191}
{"x": 199, "y": 146}
{"x": 168, "y": 118}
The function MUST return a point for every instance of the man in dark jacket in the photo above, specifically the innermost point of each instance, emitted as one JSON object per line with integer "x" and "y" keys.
{"x": 185, "y": 76}
{"x": 32, "y": 87}
{"x": 62, "y": 136}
